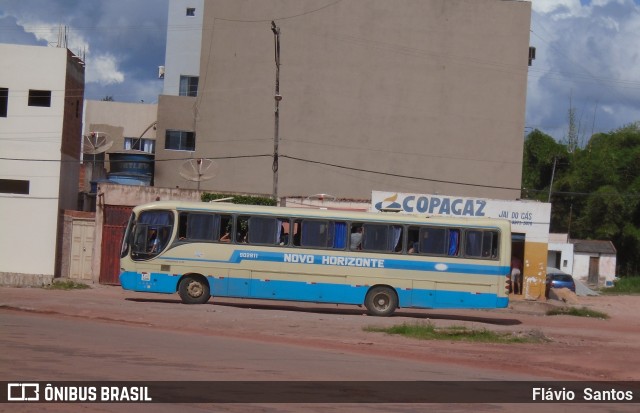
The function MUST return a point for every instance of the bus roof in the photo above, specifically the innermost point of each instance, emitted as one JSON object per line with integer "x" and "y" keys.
{"x": 353, "y": 216}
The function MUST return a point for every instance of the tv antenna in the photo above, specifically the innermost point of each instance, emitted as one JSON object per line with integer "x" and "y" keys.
{"x": 316, "y": 199}
{"x": 199, "y": 170}
{"x": 96, "y": 142}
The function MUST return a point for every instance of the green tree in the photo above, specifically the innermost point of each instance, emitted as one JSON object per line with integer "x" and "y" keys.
{"x": 596, "y": 189}
{"x": 541, "y": 152}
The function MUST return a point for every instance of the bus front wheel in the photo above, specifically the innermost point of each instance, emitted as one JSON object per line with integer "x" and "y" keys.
{"x": 194, "y": 290}
{"x": 381, "y": 301}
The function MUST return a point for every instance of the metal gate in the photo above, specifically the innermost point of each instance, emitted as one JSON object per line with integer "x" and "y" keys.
{"x": 115, "y": 221}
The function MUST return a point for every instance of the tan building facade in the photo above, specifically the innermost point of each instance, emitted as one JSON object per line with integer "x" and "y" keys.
{"x": 412, "y": 95}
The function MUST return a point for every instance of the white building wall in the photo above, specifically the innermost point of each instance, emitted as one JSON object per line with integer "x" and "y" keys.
{"x": 581, "y": 266}
{"x": 566, "y": 256}
{"x": 29, "y": 222}
{"x": 184, "y": 39}
{"x": 606, "y": 267}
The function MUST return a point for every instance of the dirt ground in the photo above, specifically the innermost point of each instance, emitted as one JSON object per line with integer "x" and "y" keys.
{"x": 578, "y": 348}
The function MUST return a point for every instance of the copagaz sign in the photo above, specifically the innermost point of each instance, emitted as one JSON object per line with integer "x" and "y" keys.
{"x": 528, "y": 217}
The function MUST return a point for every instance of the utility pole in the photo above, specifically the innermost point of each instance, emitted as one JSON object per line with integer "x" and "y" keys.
{"x": 569, "y": 229}
{"x": 276, "y": 38}
{"x": 553, "y": 172}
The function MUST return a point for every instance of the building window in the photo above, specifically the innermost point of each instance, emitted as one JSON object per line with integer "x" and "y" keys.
{"x": 4, "y": 101}
{"x": 188, "y": 86}
{"x": 14, "y": 186}
{"x": 40, "y": 98}
{"x": 191, "y": 11}
{"x": 140, "y": 144}
{"x": 180, "y": 140}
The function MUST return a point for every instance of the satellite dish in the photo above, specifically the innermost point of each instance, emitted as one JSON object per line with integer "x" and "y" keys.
{"x": 317, "y": 200}
{"x": 198, "y": 170}
{"x": 95, "y": 143}
{"x": 321, "y": 197}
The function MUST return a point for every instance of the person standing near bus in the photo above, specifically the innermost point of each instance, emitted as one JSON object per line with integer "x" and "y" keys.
{"x": 516, "y": 275}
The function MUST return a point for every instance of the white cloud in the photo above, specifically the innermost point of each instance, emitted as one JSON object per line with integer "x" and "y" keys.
{"x": 568, "y": 7}
{"x": 103, "y": 69}
{"x": 588, "y": 51}
{"x": 56, "y": 35}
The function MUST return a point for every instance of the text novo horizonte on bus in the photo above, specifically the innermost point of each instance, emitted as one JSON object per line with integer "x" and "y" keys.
{"x": 334, "y": 260}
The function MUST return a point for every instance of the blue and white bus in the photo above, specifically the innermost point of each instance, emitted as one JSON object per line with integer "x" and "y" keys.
{"x": 383, "y": 261}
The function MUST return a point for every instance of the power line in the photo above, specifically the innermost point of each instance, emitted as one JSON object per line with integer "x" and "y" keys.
{"x": 136, "y": 161}
{"x": 631, "y": 195}
{"x": 568, "y": 193}
{"x": 360, "y": 148}
{"x": 397, "y": 175}
{"x": 293, "y": 16}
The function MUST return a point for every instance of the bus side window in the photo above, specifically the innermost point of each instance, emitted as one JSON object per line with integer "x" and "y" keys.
{"x": 355, "y": 239}
{"x": 397, "y": 238}
{"x": 267, "y": 230}
{"x": 203, "y": 227}
{"x": 315, "y": 233}
{"x": 433, "y": 240}
{"x": 454, "y": 242}
{"x": 413, "y": 240}
{"x": 226, "y": 228}
{"x": 481, "y": 244}
{"x": 183, "y": 217}
{"x": 381, "y": 237}
{"x": 242, "y": 230}
{"x": 297, "y": 236}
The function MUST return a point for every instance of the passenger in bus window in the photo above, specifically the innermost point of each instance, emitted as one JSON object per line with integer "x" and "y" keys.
{"x": 226, "y": 237}
{"x": 154, "y": 243}
{"x": 284, "y": 236}
{"x": 356, "y": 239}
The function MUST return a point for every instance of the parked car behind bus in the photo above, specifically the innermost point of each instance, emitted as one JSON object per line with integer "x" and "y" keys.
{"x": 559, "y": 279}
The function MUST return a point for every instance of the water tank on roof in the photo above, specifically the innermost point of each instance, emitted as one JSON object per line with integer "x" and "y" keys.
{"x": 131, "y": 168}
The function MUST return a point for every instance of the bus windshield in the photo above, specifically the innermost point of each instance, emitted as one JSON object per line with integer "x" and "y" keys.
{"x": 151, "y": 234}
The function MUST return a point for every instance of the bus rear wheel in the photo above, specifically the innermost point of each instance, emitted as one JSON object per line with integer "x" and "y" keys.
{"x": 194, "y": 290}
{"x": 381, "y": 301}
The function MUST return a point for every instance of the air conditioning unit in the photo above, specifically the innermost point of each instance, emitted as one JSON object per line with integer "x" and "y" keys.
{"x": 160, "y": 72}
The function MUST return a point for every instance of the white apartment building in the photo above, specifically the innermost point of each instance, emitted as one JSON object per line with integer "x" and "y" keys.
{"x": 41, "y": 103}
{"x": 181, "y": 71}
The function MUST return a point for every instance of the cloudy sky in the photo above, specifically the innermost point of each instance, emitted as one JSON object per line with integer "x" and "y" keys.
{"x": 123, "y": 41}
{"x": 588, "y": 54}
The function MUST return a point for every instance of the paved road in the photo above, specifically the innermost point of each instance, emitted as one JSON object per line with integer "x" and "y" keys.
{"x": 44, "y": 347}
{"x": 110, "y": 335}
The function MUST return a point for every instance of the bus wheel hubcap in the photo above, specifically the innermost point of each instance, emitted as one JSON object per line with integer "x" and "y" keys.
{"x": 195, "y": 289}
{"x": 382, "y": 302}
